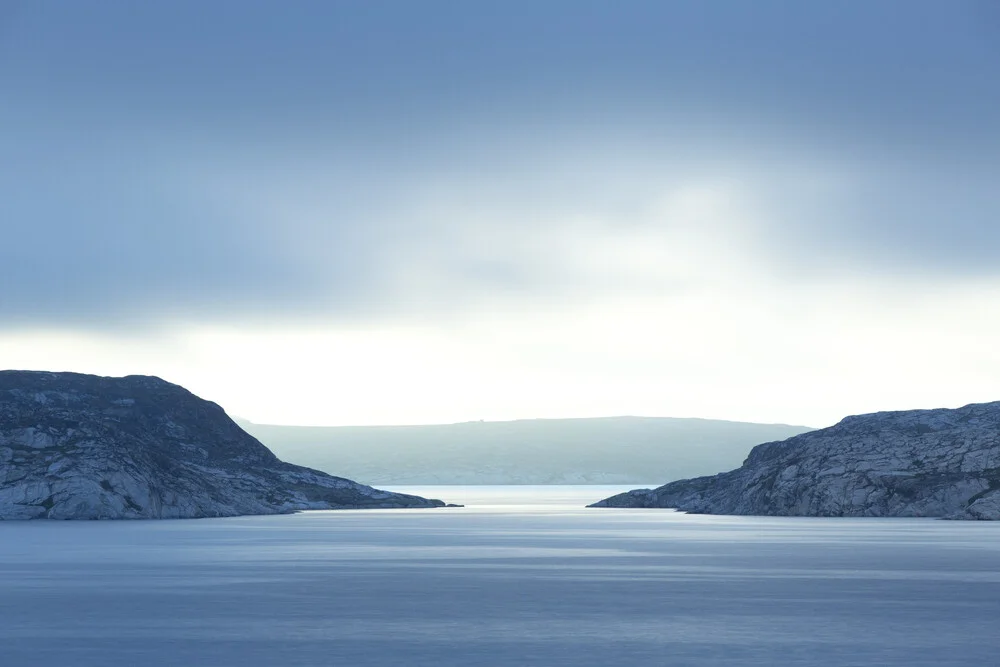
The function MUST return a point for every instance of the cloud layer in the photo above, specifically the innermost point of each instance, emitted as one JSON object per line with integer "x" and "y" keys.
{"x": 570, "y": 193}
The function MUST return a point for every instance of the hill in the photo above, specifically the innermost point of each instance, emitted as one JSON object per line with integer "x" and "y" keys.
{"x": 76, "y": 446}
{"x": 935, "y": 463}
{"x": 538, "y": 451}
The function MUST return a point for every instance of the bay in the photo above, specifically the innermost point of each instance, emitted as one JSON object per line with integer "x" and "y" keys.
{"x": 520, "y": 576}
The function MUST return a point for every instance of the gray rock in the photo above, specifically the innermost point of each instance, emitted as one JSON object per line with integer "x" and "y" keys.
{"x": 931, "y": 463}
{"x": 78, "y": 446}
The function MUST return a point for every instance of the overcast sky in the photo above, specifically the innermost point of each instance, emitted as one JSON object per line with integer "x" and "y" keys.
{"x": 379, "y": 211}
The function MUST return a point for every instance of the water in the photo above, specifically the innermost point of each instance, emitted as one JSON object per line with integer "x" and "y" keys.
{"x": 526, "y": 497}
{"x": 522, "y": 576}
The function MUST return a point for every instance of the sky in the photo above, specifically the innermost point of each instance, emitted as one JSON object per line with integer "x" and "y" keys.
{"x": 391, "y": 212}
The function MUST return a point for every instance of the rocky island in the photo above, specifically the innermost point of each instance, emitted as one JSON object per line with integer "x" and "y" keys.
{"x": 917, "y": 463}
{"x": 76, "y": 446}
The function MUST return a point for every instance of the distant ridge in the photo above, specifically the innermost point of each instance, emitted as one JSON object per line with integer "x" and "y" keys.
{"x": 934, "y": 463}
{"x": 601, "y": 450}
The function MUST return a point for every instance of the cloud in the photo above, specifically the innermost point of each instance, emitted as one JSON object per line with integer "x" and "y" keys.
{"x": 162, "y": 229}
{"x": 355, "y": 165}
{"x": 385, "y": 212}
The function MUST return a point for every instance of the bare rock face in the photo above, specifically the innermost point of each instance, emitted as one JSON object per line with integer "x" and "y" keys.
{"x": 78, "y": 446}
{"x": 932, "y": 463}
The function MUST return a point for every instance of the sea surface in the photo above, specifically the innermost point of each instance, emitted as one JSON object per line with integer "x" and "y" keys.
{"x": 520, "y": 576}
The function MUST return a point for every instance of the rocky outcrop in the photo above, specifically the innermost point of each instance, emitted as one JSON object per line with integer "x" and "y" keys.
{"x": 932, "y": 463}
{"x": 78, "y": 446}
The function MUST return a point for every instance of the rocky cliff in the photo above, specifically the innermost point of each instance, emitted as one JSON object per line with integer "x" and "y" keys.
{"x": 935, "y": 463}
{"x": 78, "y": 446}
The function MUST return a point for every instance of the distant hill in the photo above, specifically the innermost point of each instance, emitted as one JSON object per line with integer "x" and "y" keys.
{"x": 608, "y": 450}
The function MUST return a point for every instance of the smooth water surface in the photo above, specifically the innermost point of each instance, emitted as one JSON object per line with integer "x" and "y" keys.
{"x": 526, "y": 497}
{"x": 544, "y": 582}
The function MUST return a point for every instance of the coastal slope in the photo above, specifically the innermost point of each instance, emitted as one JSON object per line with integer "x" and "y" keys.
{"x": 76, "y": 446}
{"x": 929, "y": 463}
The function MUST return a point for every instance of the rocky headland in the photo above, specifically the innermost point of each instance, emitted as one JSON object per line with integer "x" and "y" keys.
{"x": 76, "y": 446}
{"x": 917, "y": 463}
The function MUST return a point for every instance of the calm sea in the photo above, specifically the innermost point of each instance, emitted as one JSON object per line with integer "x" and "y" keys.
{"x": 521, "y": 576}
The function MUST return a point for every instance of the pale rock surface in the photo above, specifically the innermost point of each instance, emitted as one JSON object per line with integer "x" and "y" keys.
{"x": 929, "y": 463}
{"x": 78, "y": 446}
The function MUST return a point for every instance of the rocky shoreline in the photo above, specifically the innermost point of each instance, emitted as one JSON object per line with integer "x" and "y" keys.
{"x": 76, "y": 446}
{"x": 918, "y": 463}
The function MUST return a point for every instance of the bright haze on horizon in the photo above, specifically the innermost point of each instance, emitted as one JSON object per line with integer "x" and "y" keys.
{"x": 423, "y": 212}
